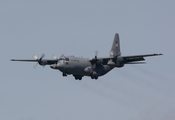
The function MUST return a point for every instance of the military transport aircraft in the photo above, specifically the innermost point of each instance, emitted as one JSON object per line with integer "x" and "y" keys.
{"x": 94, "y": 67}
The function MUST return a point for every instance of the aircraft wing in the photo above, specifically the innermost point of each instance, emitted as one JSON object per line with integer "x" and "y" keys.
{"x": 128, "y": 59}
{"x": 22, "y": 60}
{"x": 42, "y": 62}
{"x": 124, "y": 59}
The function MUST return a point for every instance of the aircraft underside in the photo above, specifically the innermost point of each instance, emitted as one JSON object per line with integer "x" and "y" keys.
{"x": 79, "y": 73}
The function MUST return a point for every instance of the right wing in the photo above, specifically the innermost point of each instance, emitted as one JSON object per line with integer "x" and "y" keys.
{"x": 40, "y": 61}
{"x": 22, "y": 60}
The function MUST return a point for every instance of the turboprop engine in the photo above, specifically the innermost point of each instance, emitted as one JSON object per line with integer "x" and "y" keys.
{"x": 111, "y": 63}
{"x": 116, "y": 63}
{"x": 119, "y": 62}
{"x": 88, "y": 70}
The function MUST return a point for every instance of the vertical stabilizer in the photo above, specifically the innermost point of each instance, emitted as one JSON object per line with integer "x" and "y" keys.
{"x": 115, "y": 50}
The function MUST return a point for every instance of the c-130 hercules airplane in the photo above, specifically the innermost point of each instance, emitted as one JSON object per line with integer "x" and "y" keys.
{"x": 94, "y": 67}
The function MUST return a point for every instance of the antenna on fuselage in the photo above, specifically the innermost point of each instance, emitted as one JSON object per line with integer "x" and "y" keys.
{"x": 96, "y": 53}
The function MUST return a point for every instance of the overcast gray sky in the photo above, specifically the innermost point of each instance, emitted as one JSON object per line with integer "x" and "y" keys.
{"x": 134, "y": 92}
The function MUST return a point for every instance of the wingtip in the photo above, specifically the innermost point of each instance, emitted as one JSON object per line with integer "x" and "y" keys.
{"x": 157, "y": 54}
{"x": 160, "y": 54}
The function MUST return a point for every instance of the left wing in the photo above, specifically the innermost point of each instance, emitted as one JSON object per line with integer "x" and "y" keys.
{"x": 134, "y": 58}
{"x": 123, "y": 59}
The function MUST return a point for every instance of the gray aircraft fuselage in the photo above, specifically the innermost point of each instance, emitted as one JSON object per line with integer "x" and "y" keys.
{"x": 80, "y": 66}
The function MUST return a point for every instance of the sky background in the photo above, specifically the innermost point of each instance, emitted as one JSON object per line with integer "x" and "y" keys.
{"x": 79, "y": 28}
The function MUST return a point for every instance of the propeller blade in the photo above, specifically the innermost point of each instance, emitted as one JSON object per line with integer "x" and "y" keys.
{"x": 42, "y": 56}
{"x": 38, "y": 60}
{"x": 35, "y": 65}
{"x": 54, "y": 57}
{"x": 35, "y": 57}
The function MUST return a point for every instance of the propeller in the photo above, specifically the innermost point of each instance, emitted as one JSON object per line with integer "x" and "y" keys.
{"x": 39, "y": 61}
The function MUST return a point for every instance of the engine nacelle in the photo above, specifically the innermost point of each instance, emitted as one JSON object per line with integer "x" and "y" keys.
{"x": 119, "y": 62}
{"x": 111, "y": 63}
{"x": 43, "y": 62}
{"x": 88, "y": 70}
{"x": 119, "y": 65}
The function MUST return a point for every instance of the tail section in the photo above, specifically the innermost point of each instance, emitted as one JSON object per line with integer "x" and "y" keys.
{"x": 115, "y": 50}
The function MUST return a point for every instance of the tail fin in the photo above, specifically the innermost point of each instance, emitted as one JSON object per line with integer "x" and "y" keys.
{"x": 115, "y": 50}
